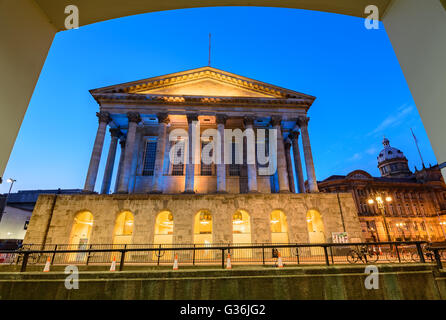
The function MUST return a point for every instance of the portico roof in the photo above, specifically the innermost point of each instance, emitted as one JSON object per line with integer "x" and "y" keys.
{"x": 204, "y": 85}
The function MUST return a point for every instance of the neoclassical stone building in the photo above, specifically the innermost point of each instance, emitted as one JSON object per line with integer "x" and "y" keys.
{"x": 416, "y": 206}
{"x": 157, "y": 200}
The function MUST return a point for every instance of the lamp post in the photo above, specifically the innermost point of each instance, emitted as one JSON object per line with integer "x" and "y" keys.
{"x": 11, "y": 181}
{"x": 379, "y": 198}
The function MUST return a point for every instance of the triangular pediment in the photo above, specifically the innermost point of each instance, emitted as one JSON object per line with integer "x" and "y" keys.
{"x": 206, "y": 81}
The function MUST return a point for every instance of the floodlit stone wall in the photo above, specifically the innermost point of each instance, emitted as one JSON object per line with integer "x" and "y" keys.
{"x": 145, "y": 208}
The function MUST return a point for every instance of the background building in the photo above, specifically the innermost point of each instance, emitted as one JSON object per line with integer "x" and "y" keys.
{"x": 414, "y": 203}
{"x": 16, "y": 211}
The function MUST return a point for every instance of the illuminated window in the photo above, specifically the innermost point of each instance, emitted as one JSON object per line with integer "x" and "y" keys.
{"x": 241, "y": 227}
{"x": 315, "y": 227}
{"x": 80, "y": 235}
{"x": 123, "y": 231}
{"x": 81, "y": 230}
{"x": 164, "y": 228}
{"x": 279, "y": 227}
{"x": 203, "y": 227}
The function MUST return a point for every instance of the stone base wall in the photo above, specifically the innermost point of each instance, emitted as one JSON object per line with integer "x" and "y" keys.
{"x": 145, "y": 208}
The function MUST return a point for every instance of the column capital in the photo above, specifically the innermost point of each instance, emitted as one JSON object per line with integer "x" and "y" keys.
{"x": 134, "y": 117}
{"x": 115, "y": 132}
{"x": 103, "y": 116}
{"x": 302, "y": 121}
{"x": 163, "y": 118}
{"x": 294, "y": 135}
{"x": 276, "y": 120}
{"x": 248, "y": 120}
{"x": 192, "y": 117}
{"x": 221, "y": 118}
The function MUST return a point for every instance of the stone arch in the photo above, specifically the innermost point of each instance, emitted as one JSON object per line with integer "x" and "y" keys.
{"x": 80, "y": 235}
{"x": 241, "y": 227}
{"x": 124, "y": 226}
{"x": 315, "y": 226}
{"x": 279, "y": 227}
{"x": 203, "y": 227}
{"x": 163, "y": 229}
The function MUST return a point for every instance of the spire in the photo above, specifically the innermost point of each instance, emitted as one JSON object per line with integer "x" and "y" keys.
{"x": 416, "y": 143}
{"x": 209, "y": 62}
{"x": 386, "y": 142}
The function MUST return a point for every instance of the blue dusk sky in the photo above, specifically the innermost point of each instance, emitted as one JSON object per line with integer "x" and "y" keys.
{"x": 361, "y": 91}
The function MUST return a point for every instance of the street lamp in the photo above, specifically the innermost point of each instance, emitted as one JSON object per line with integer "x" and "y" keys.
{"x": 379, "y": 198}
{"x": 11, "y": 181}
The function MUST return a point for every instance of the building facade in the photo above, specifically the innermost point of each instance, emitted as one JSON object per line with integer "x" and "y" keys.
{"x": 413, "y": 203}
{"x": 163, "y": 194}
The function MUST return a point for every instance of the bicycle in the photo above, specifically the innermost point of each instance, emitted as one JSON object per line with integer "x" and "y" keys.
{"x": 428, "y": 254}
{"x": 363, "y": 254}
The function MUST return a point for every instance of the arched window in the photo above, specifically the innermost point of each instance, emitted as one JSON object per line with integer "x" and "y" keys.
{"x": 81, "y": 230}
{"x": 80, "y": 235}
{"x": 241, "y": 227}
{"x": 203, "y": 227}
{"x": 279, "y": 227}
{"x": 164, "y": 228}
{"x": 315, "y": 227}
{"x": 123, "y": 231}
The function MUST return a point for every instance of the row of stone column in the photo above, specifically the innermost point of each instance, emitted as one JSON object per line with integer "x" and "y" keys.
{"x": 284, "y": 161}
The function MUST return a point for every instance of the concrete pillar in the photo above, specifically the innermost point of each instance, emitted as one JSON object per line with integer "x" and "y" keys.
{"x": 133, "y": 118}
{"x": 121, "y": 162}
{"x": 281, "y": 161}
{"x": 309, "y": 165}
{"x": 252, "y": 168}
{"x": 106, "y": 181}
{"x": 190, "y": 166}
{"x": 289, "y": 165}
{"x": 294, "y": 137}
{"x": 90, "y": 181}
{"x": 221, "y": 167}
{"x": 157, "y": 185}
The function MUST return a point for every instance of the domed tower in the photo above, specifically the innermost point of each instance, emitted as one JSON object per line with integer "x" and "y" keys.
{"x": 392, "y": 162}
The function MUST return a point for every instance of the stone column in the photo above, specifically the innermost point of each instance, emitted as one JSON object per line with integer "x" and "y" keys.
{"x": 106, "y": 182}
{"x": 252, "y": 168}
{"x": 190, "y": 166}
{"x": 133, "y": 118}
{"x": 281, "y": 161}
{"x": 121, "y": 162}
{"x": 163, "y": 120}
{"x": 294, "y": 137}
{"x": 221, "y": 167}
{"x": 90, "y": 181}
{"x": 309, "y": 165}
{"x": 289, "y": 165}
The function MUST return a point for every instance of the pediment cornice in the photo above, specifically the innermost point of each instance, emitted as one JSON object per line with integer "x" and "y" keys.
{"x": 157, "y": 99}
{"x": 203, "y": 73}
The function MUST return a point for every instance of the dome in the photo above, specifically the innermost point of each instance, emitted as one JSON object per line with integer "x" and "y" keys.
{"x": 392, "y": 162}
{"x": 389, "y": 153}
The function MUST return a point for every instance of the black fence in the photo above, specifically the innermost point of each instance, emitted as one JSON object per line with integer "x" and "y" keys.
{"x": 217, "y": 254}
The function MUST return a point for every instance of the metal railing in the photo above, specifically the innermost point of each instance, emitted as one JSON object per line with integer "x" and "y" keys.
{"x": 216, "y": 254}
